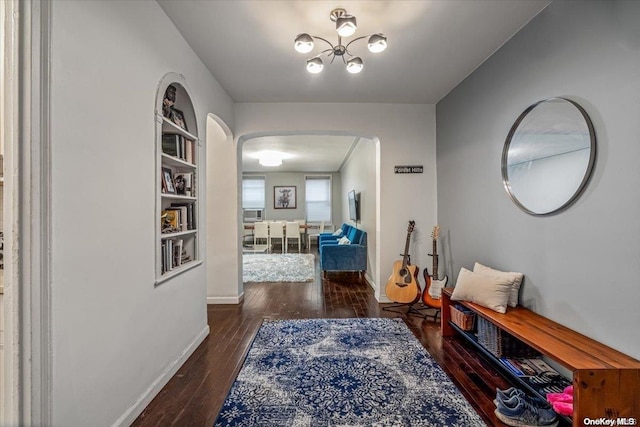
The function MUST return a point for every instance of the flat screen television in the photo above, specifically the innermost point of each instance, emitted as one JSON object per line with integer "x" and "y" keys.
{"x": 354, "y": 212}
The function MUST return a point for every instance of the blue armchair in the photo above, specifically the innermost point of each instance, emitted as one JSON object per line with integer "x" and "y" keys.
{"x": 352, "y": 257}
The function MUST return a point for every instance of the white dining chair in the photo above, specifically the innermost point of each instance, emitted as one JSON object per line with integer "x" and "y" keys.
{"x": 276, "y": 231}
{"x": 315, "y": 234}
{"x": 261, "y": 234}
{"x": 247, "y": 233}
{"x": 303, "y": 231}
{"x": 293, "y": 232}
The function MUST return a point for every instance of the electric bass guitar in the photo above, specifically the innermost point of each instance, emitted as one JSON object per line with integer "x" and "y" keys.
{"x": 433, "y": 286}
{"x": 402, "y": 286}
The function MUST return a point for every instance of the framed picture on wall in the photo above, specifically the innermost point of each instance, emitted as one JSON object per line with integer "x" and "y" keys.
{"x": 284, "y": 197}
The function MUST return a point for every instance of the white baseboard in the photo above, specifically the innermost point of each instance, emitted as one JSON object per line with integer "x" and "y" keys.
{"x": 226, "y": 300}
{"x": 370, "y": 281}
{"x": 132, "y": 413}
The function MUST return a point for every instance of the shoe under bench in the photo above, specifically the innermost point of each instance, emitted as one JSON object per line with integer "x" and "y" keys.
{"x": 606, "y": 382}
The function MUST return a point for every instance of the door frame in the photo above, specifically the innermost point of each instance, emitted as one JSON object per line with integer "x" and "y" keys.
{"x": 26, "y": 79}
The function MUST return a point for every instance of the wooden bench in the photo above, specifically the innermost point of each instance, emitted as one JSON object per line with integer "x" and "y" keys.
{"x": 606, "y": 382}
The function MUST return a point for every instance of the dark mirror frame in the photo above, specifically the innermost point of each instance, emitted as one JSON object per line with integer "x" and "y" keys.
{"x": 588, "y": 170}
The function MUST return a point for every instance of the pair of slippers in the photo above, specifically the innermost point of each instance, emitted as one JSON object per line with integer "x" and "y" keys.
{"x": 562, "y": 403}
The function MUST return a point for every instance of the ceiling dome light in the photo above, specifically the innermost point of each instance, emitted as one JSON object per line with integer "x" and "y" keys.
{"x": 346, "y": 25}
{"x": 354, "y": 65}
{"x": 315, "y": 65}
{"x": 270, "y": 158}
{"x": 377, "y": 43}
{"x": 304, "y": 43}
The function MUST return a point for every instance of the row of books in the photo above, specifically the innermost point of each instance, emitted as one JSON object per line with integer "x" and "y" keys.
{"x": 178, "y": 146}
{"x": 173, "y": 254}
{"x": 178, "y": 217}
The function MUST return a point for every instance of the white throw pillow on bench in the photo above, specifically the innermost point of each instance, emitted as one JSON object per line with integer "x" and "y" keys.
{"x": 516, "y": 280}
{"x": 488, "y": 291}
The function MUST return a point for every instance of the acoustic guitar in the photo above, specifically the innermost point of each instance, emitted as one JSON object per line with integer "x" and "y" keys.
{"x": 433, "y": 286}
{"x": 402, "y": 286}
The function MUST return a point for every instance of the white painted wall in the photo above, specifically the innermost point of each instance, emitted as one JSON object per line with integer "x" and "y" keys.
{"x": 359, "y": 174}
{"x": 406, "y": 133}
{"x": 223, "y": 282}
{"x": 115, "y": 336}
{"x": 581, "y": 265}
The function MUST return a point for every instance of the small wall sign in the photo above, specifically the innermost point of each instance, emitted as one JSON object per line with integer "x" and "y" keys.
{"x": 407, "y": 169}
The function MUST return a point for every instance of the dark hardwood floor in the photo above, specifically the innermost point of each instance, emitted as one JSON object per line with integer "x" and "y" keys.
{"x": 195, "y": 394}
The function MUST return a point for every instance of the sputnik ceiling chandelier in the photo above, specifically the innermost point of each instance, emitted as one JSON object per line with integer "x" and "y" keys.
{"x": 346, "y": 27}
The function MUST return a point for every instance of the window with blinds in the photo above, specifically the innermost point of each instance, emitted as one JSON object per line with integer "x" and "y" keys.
{"x": 318, "y": 198}
{"x": 253, "y": 192}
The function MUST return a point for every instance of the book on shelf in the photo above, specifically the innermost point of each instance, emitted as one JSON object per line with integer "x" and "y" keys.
{"x": 178, "y": 146}
{"x": 537, "y": 373}
{"x": 526, "y": 367}
{"x": 177, "y": 253}
{"x": 189, "y": 151}
{"x": 171, "y": 144}
{"x": 183, "y": 217}
{"x": 174, "y": 254}
{"x": 191, "y": 213}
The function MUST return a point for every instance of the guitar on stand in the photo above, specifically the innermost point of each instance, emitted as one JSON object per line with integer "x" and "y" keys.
{"x": 433, "y": 285}
{"x": 402, "y": 286}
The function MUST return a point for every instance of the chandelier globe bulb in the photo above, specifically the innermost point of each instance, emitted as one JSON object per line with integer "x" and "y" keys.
{"x": 377, "y": 43}
{"x": 303, "y": 43}
{"x": 355, "y": 65}
{"x": 315, "y": 65}
{"x": 346, "y": 25}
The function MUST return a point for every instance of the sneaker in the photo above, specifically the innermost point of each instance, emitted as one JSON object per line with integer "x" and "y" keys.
{"x": 508, "y": 393}
{"x": 513, "y": 391}
{"x": 519, "y": 412}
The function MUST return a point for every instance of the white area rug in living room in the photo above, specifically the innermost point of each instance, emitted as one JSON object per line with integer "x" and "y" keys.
{"x": 277, "y": 267}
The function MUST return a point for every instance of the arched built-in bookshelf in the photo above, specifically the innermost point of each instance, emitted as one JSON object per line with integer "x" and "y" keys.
{"x": 177, "y": 160}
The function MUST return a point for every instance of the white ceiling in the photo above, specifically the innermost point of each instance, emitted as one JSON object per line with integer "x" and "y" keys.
{"x": 308, "y": 153}
{"x": 433, "y": 46}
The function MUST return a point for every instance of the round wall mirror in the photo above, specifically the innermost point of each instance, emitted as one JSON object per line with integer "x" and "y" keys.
{"x": 548, "y": 156}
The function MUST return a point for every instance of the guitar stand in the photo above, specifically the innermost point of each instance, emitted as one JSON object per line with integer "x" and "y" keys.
{"x": 434, "y": 316}
{"x": 411, "y": 311}
{"x": 414, "y": 311}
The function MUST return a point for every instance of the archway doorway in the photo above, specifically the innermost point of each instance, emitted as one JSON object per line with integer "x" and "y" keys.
{"x": 350, "y": 161}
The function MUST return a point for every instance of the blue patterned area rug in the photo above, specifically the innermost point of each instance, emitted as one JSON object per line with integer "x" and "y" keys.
{"x": 342, "y": 372}
{"x": 277, "y": 268}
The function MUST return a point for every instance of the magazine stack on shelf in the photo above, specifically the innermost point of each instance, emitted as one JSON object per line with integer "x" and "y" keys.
{"x": 537, "y": 374}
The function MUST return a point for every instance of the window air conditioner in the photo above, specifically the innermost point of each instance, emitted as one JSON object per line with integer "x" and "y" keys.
{"x": 252, "y": 215}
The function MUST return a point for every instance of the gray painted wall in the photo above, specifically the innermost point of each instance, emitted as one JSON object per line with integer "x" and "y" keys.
{"x": 297, "y": 179}
{"x": 581, "y": 266}
{"x": 359, "y": 174}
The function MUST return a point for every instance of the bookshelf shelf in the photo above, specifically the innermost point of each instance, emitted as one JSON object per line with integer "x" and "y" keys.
{"x": 178, "y": 197}
{"x": 177, "y": 201}
{"x": 173, "y": 273}
{"x": 177, "y": 163}
{"x": 177, "y": 234}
